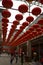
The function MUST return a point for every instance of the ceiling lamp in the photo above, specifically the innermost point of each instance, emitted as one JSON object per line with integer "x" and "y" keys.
{"x": 23, "y": 8}
{"x": 29, "y": 19}
{"x": 7, "y": 3}
{"x": 6, "y": 13}
{"x": 41, "y": 1}
{"x": 5, "y": 20}
{"x": 40, "y": 22}
{"x": 36, "y": 11}
{"x": 19, "y": 17}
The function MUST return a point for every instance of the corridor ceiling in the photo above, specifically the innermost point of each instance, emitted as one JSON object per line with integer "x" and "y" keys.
{"x": 13, "y": 37}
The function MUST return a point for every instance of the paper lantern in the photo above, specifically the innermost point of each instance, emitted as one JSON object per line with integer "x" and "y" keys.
{"x": 22, "y": 27}
{"x": 5, "y": 25}
{"x": 25, "y": 24}
{"x": 5, "y": 20}
{"x": 36, "y": 26}
{"x": 29, "y": 1}
{"x": 31, "y": 29}
{"x": 41, "y": 1}
{"x": 7, "y": 3}
{"x": 36, "y": 11}
{"x": 6, "y": 13}
{"x": 39, "y": 33}
{"x": 19, "y": 17}
{"x": 29, "y": 19}
{"x": 38, "y": 29}
{"x": 23, "y": 8}
{"x": 15, "y": 22}
{"x": 35, "y": 33}
{"x": 40, "y": 22}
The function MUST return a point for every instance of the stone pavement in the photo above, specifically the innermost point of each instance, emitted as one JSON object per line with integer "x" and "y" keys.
{"x": 5, "y": 60}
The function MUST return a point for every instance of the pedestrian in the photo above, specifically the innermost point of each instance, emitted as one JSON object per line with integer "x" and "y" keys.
{"x": 12, "y": 58}
{"x": 16, "y": 56}
{"x": 22, "y": 58}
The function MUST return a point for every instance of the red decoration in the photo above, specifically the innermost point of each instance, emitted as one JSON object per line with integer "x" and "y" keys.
{"x": 7, "y": 3}
{"x": 5, "y": 25}
{"x": 23, "y": 8}
{"x": 5, "y": 20}
{"x": 38, "y": 29}
{"x": 25, "y": 24}
{"x": 35, "y": 33}
{"x": 19, "y": 16}
{"x": 15, "y": 22}
{"x": 29, "y": 0}
{"x": 39, "y": 33}
{"x": 40, "y": 22}
{"x": 41, "y": 1}
{"x": 31, "y": 29}
{"x": 36, "y": 11}
{"x": 29, "y": 19}
{"x": 36, "y": 26}
{"x": 6, "y": 13}
{"x": 22, "y": 27}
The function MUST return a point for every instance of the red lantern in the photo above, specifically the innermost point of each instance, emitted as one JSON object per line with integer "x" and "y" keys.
{"x": 22, "y": 27}
{"x": 38, "y": 29}
{"x": 6, "y": 13}
{"x": 23, "y": 8}
{"x": 19, "y": 17}
{"x": 40, "y": 22}
{"x": 39, "y": 33}
{"x": 36, "y": 11}
{"x": 5, "y": 20}
{"x": 7, "y": 3}
{"x": 36, "y": 26}
{"x": 15, "y": 22}
{"x": 5, "y": 25}
{"x": 35, "y": 33}
{"x": 29, "y": 19}
{"x": 25, "y": 24}
{"x": 31, "y": 29}
{"x": 41, "y": 1}
{"x": 29, "y": 1}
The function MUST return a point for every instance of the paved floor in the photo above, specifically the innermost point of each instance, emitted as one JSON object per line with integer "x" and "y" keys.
{"x": 5, "y": 60}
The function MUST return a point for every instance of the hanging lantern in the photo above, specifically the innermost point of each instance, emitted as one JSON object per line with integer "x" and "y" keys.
{"x": 5, "y": 25}
{"x": 5, "y": 20}
{"x": 7, "y": 3}
{"x": 35, "y": 33}
{"x": 29, "y": 1}
{"x": 19, "y": 17}
{"x": 15, "y": 22}
{"x": 36, "y": 11}
{"x": 22, "y": 27}
{"x": 29, "y": 19}
{"x": 36, "y": 26}
{"x": 38, "y": 29}
{"x": 23, "y": 8}
{"x": 6, "y": 13}
{"x": 25, "y": 24}
{"x": 39, "y": 33}
{"x": 31, "y": 29}
{"x": 41, "y": 1}
{"x": 40, "y": 22}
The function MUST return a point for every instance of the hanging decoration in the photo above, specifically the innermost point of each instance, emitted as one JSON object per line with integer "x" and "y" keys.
{"x": 29, "y": 1}
{"x": 5, "y": 20}
{"x": 41, "y": 1}
{"x": 36, "y": 11}
{"x": 31, "y": 29}
{"x": 7, "y": 3}
{"x": 29, "y": 19}
{"x": 19, "y": 17}
{"x": 23, "y": 8}
{"x": 6, "y": 13}
{"x": 40, "y": 22}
